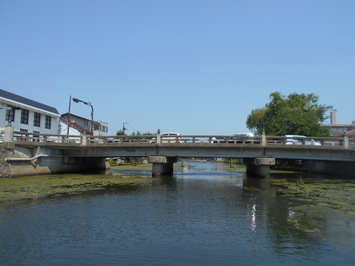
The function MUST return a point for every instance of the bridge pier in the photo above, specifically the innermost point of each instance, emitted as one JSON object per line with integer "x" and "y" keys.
{"x": 259, "y": 167}
{"x": 162, "y": 165}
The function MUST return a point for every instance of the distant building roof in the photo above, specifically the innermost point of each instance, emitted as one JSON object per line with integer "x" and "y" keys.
{"x": 338, "y": 125}
{"x": 73, "y": 115}
{"x": 65, "y": 117}
{"x": 23, "y": 100}
{"x": 76, "y": 126}
{"x": 351, "y": 132}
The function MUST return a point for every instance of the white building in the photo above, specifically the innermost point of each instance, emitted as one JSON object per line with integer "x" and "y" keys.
{"x": 27, "y": 115}
{"x": 338, "y": 130}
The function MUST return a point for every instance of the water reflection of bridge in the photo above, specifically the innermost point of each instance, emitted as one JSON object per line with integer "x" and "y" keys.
{"x": 42, "y": 153}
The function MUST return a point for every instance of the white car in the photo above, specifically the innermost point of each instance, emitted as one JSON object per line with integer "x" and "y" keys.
{"x": 169, "y": 137}
{"x": 246, "y": 138}
{"x": 300, "y": 140}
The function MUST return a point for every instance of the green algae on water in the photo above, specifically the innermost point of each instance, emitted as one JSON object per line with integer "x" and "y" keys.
{"x": 324, "y": 208}
{"x": 32, "y": 187}
{"x": 337, "y": 194}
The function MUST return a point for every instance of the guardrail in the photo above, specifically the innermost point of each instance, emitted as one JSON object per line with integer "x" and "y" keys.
{"x": 85, "y": 140}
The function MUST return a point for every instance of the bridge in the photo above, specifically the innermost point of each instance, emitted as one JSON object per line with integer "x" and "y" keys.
{"x": 25, "y": 153}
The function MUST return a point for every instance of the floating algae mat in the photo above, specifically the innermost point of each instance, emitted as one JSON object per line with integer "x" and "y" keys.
{"x": 325, "y": 207}
{"x": 31, "y": 187}
{"x": 338, "y": 194}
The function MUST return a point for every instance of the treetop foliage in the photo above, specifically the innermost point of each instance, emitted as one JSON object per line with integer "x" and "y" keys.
{"x": 296, "y": 114}
{"x": 135, "y": 133}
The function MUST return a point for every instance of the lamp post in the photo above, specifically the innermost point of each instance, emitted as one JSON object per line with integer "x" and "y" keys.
{"x": 68, "y": 117}
{"x": 92, "y": 112}
{"x": 124, "y": 128}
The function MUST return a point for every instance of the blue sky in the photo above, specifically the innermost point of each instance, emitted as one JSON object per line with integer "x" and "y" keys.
{"x": 189, "y": 66}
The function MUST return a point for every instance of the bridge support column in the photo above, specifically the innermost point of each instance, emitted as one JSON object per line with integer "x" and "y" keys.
{"x": 259, "y": 167}
{"x": 162, "y": 165}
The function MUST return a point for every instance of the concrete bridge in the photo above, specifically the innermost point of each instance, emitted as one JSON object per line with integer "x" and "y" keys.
{"x": 24, "y": 153}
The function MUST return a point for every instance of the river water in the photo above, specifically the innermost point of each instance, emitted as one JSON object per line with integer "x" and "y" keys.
{"x": 203, "y": 215}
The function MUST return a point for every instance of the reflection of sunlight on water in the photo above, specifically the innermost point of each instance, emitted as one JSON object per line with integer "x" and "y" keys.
{"x": 185, "y": 167}
{"x": 290, "y": 214}
{"x": 253, "y": 217}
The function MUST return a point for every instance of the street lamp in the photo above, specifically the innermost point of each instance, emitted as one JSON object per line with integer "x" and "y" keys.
{"x": 92, "y": 112}
{"x": 124, "y": 128}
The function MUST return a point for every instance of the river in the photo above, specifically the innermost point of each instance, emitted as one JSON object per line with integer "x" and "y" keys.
{"x": 203, "y": 215}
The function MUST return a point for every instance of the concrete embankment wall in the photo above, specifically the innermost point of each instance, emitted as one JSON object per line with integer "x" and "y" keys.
{"x": 36, "y": 161}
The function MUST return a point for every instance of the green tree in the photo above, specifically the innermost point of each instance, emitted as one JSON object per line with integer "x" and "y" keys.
{"x": 121, "y": 133}
{"x": 296, "y": 114}
{"x": 138, "y": 133}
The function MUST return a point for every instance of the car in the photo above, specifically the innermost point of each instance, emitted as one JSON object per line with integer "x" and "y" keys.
{"x": 245, "y": 138}
{"x": 218, "y": 140}
{"x": 168, "y": 137}
{"x": 300, "y": 140}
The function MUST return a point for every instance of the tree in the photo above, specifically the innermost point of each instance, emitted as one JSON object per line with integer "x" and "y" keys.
{"x": 138, "y": 133}
{"x": 121, "y": 133}
{"x": 298, "y": 114}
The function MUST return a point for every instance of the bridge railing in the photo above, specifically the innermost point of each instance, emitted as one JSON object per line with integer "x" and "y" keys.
{"x": 120, "y": 139}
{"x": 19, "y": 136}
{"x": 26, "y": 137}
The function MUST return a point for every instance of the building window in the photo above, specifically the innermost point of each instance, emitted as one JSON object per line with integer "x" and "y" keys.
{"x": 37, "y": 120}
{"x": 24, "y": 117}
{"x": 103, "y": 128}
{"x": 10, "y": 115}
{"x": 48, "y": 122}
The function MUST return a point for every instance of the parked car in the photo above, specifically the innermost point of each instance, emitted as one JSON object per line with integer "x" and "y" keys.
{"x": 300, "y": 140}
